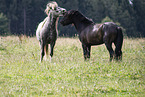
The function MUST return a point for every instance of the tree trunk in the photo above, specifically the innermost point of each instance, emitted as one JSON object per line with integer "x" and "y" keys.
{"x": 24, "y": 21}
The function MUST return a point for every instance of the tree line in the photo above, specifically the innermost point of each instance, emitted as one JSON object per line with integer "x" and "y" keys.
{"x": 23, "y": 16}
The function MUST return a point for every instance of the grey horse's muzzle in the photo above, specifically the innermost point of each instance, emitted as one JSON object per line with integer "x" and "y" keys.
{"x": 63, "y": 11}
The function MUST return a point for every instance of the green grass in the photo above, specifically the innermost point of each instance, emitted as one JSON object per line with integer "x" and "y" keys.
{"x": 68, "y": 75}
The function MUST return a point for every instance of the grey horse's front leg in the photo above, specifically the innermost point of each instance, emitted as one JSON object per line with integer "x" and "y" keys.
{"x": 51, "y": 51}
{"x": 42, "y": 51}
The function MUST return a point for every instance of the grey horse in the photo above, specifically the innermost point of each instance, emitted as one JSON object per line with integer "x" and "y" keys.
{"x": 47, "y": 31}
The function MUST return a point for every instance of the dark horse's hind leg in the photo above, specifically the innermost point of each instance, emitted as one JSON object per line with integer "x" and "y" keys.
{"x": 109, "y": 48}
{"x": 118, "y": 52}
{"x": 86, "y": 51}
{"x": 108, "y": 44}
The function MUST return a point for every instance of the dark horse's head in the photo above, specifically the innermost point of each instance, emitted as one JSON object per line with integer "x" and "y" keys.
{"x": 73, "y": 15}
{"x": 68, "y": 17}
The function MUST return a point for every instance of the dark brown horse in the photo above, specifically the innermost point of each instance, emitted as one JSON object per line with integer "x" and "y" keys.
{"x": 95, "y": 34}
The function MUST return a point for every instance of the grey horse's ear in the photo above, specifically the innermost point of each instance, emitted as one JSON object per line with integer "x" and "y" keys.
{"x": 64, "y": 13}
{"x": 50, "y": 7}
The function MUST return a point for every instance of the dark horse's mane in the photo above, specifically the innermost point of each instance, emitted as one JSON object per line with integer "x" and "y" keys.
{"x": 83, "y": 19}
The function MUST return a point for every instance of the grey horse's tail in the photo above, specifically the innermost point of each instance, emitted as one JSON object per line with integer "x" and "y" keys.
{"x": 119, "y": 43}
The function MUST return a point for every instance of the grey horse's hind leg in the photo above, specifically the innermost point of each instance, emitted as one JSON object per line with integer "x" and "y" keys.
{"x": 46, "y": 51}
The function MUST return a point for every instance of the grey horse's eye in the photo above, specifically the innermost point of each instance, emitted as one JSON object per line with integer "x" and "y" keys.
{"x": 50, "y": 7}
{"x": 57, "y": 11}
{"x": 55, "y": 8}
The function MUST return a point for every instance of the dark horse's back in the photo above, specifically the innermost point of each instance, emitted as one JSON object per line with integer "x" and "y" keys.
{"x": 100, "y": 33}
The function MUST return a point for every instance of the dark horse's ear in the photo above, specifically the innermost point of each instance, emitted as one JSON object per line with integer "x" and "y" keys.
{"x": 79, "y": 15}
{"x": 72, "y": 12}
{"x": 76, "y": 12}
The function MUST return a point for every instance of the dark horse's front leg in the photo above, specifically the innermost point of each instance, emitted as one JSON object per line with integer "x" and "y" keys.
{"x": 86, "y": 51}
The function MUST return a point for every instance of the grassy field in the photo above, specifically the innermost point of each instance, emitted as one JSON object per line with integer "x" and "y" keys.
{"x": 68, "y": 75}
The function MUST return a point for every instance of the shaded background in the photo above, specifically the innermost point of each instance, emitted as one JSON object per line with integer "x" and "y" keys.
{"x": 23, "y": 16}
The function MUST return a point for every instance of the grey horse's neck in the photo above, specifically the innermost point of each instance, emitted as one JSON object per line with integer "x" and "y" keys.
{"x": 53, "y": 21}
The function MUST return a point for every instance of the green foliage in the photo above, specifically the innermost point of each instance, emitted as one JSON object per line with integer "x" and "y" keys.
{"x": 139, "y": 6}
{"x": 4, "y": 29}
{"x": 25, "y": 15}
{"x": 68, "y": 75}
{"x": 106, "y": 19}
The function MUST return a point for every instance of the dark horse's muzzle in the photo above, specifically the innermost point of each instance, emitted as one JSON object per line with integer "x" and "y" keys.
{"x": 62, "y": 22}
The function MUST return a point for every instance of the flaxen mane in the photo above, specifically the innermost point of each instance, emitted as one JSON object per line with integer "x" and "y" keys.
{"x": 50, "y": 5}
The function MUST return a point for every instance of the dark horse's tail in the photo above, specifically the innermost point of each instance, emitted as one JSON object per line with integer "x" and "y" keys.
{"x": 119, "y": 42}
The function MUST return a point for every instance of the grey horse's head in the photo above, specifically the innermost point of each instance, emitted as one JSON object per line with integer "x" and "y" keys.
{"x": 52, "y": 7}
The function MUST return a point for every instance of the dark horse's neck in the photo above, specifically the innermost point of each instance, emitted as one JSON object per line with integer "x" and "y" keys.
{"x": 81, "y": 22}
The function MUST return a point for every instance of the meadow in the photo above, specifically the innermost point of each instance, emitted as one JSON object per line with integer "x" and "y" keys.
{"x": 68, "y": 75}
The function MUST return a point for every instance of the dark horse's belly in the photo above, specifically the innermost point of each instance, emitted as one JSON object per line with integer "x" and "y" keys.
{"x": 91, "y": 37}
{"x": 92, "y": 40}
